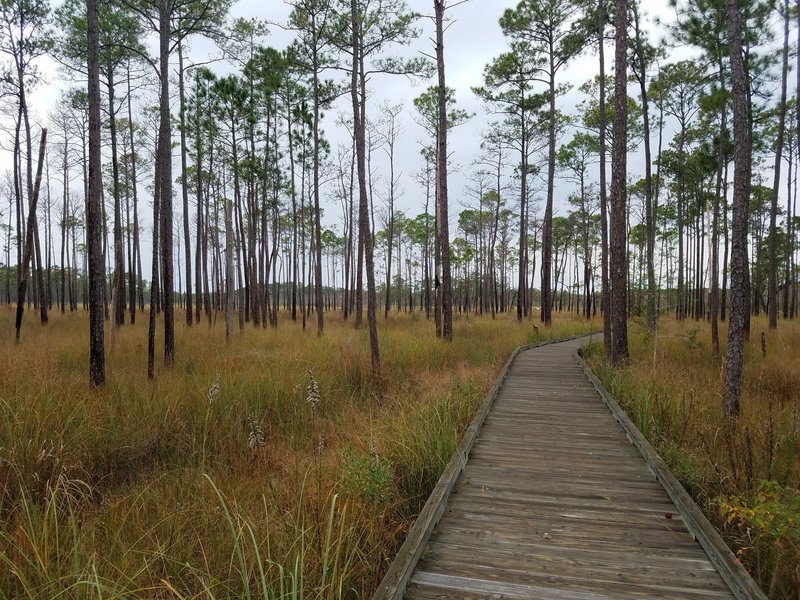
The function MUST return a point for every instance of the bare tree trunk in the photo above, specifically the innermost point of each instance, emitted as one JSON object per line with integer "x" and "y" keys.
{"x": 185, "y": 188}
{"x": 348, "y": 254}
{"x": 547, "y": 225}
{"x": 318, "y": 303}
{"x": 390, "y": 114}
{"x": 714, "y": 294}
{"x": 441, "y": 178}
{"x": 40, "y": 288}
{"x": 523, "y": 234}
{"x": 29, "y": 239}
{"x": 437, "y": 266}
{"x": 18, "y": 191}
{"x": 64, "y": 225}
{"x": 723, "y": 303}
{"x": 732, "y": 375}
{"x": 97, "y": 373}
{"x": 790, "y": 228}
{"x": 605, "y": 300}
{"x": 619, "y": 259}
{"x": 199, "y": 256}
{"x": 154, "y": 286}
{"x": 135, "y": 272}
{"x": 229, "y": 291}
{"x": 650, "y": 224}
{"x": 165, "y": 182}
{"x": 358, "y": 94}
{"x": 119, "y": 260}
{"x": 681, "y": 301}
{"x": 776, "y": 182}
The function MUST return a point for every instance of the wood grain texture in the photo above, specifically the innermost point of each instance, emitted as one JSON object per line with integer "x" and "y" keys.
{"x": 555, "y": 495}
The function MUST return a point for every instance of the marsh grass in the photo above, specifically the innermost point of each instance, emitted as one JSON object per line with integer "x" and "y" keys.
{"x": 218, "y": 479}
{"x": 745, "y": 472}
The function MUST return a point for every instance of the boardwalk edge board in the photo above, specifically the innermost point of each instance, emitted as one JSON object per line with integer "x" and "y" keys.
{"x": 393, "y": 585}
{"x": 729, "y": 567}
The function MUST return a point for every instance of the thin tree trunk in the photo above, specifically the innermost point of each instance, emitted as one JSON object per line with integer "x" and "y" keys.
{"x": 441, "y": 178}
{"x": 119, "y": 260}
{"x": 605, "y": 299}
{"x": 547, "y": 225}
{"x": 619, "y": 261}
{"x": 358, "y": 94}
{"x": 165, "y": 182}
{"x": 229, "y": 290}
{"x": 318, "y": 303}
{"x": 29, "y": 240}
{"x": 185, "y": 187}
{"x": 714, "y": 294}
{"x": 650, "y": 224}
{"x": 776, "y": 182}
{"x": 154, "y": 285}
{"x": 39, "y": 280}
{"x": 64, "y": 225}
{"x": 732, "y": 375}
{"x": 97, "y": 375}
{"x": 136, "y": 267}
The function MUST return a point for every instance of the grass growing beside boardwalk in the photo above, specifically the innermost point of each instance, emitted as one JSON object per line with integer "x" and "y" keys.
{"x": 221, "y": 479}
{"x": 745, "y": 473}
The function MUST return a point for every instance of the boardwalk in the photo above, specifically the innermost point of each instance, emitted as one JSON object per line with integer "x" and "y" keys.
{"x": 555, "y": 502}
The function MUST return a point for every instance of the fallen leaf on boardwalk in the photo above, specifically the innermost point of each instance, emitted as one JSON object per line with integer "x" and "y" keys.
{"x": 668, "y": 515}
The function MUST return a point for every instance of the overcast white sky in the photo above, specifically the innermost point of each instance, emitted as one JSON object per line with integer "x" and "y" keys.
{"x": 471, "y": 41}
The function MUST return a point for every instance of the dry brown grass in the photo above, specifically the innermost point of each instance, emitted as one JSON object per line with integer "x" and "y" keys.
{"x": 104, "y": 493}
{"x": 725, "y": 463}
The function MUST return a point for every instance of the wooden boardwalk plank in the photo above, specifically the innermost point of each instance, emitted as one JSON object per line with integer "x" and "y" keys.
{"x": 549, "y": 497}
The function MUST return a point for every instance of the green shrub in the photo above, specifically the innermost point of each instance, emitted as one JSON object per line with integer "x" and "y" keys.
{"x": 367, "y": 476}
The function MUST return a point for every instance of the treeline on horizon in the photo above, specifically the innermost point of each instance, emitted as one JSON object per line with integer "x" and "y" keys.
{"x": 237, "y": 212}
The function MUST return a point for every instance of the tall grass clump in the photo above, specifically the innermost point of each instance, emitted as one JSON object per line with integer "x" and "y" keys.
{"x": 744, "y": 472}
{"x": 275, "y": 466}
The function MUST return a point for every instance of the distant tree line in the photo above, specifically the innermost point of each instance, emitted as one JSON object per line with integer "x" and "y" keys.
{"x": 240, "y": 170}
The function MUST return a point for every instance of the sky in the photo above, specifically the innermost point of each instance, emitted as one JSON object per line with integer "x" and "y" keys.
{"x": 472, "y": 39}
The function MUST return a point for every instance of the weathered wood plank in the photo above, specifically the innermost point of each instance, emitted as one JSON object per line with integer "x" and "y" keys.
{"x": 548, "y": 497}
{"x": 619, "y": 577}
{"x": 729, "y": 567}
{"x": 463, "y": 586}
{"x": 394, "y": 582}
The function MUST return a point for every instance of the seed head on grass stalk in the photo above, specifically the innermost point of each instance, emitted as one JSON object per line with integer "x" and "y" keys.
{"x": 256, "y": 436}
{"x": 373, "y": 451}
{"x": 213, "y": 391}
{"x": 313, "y": 397}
